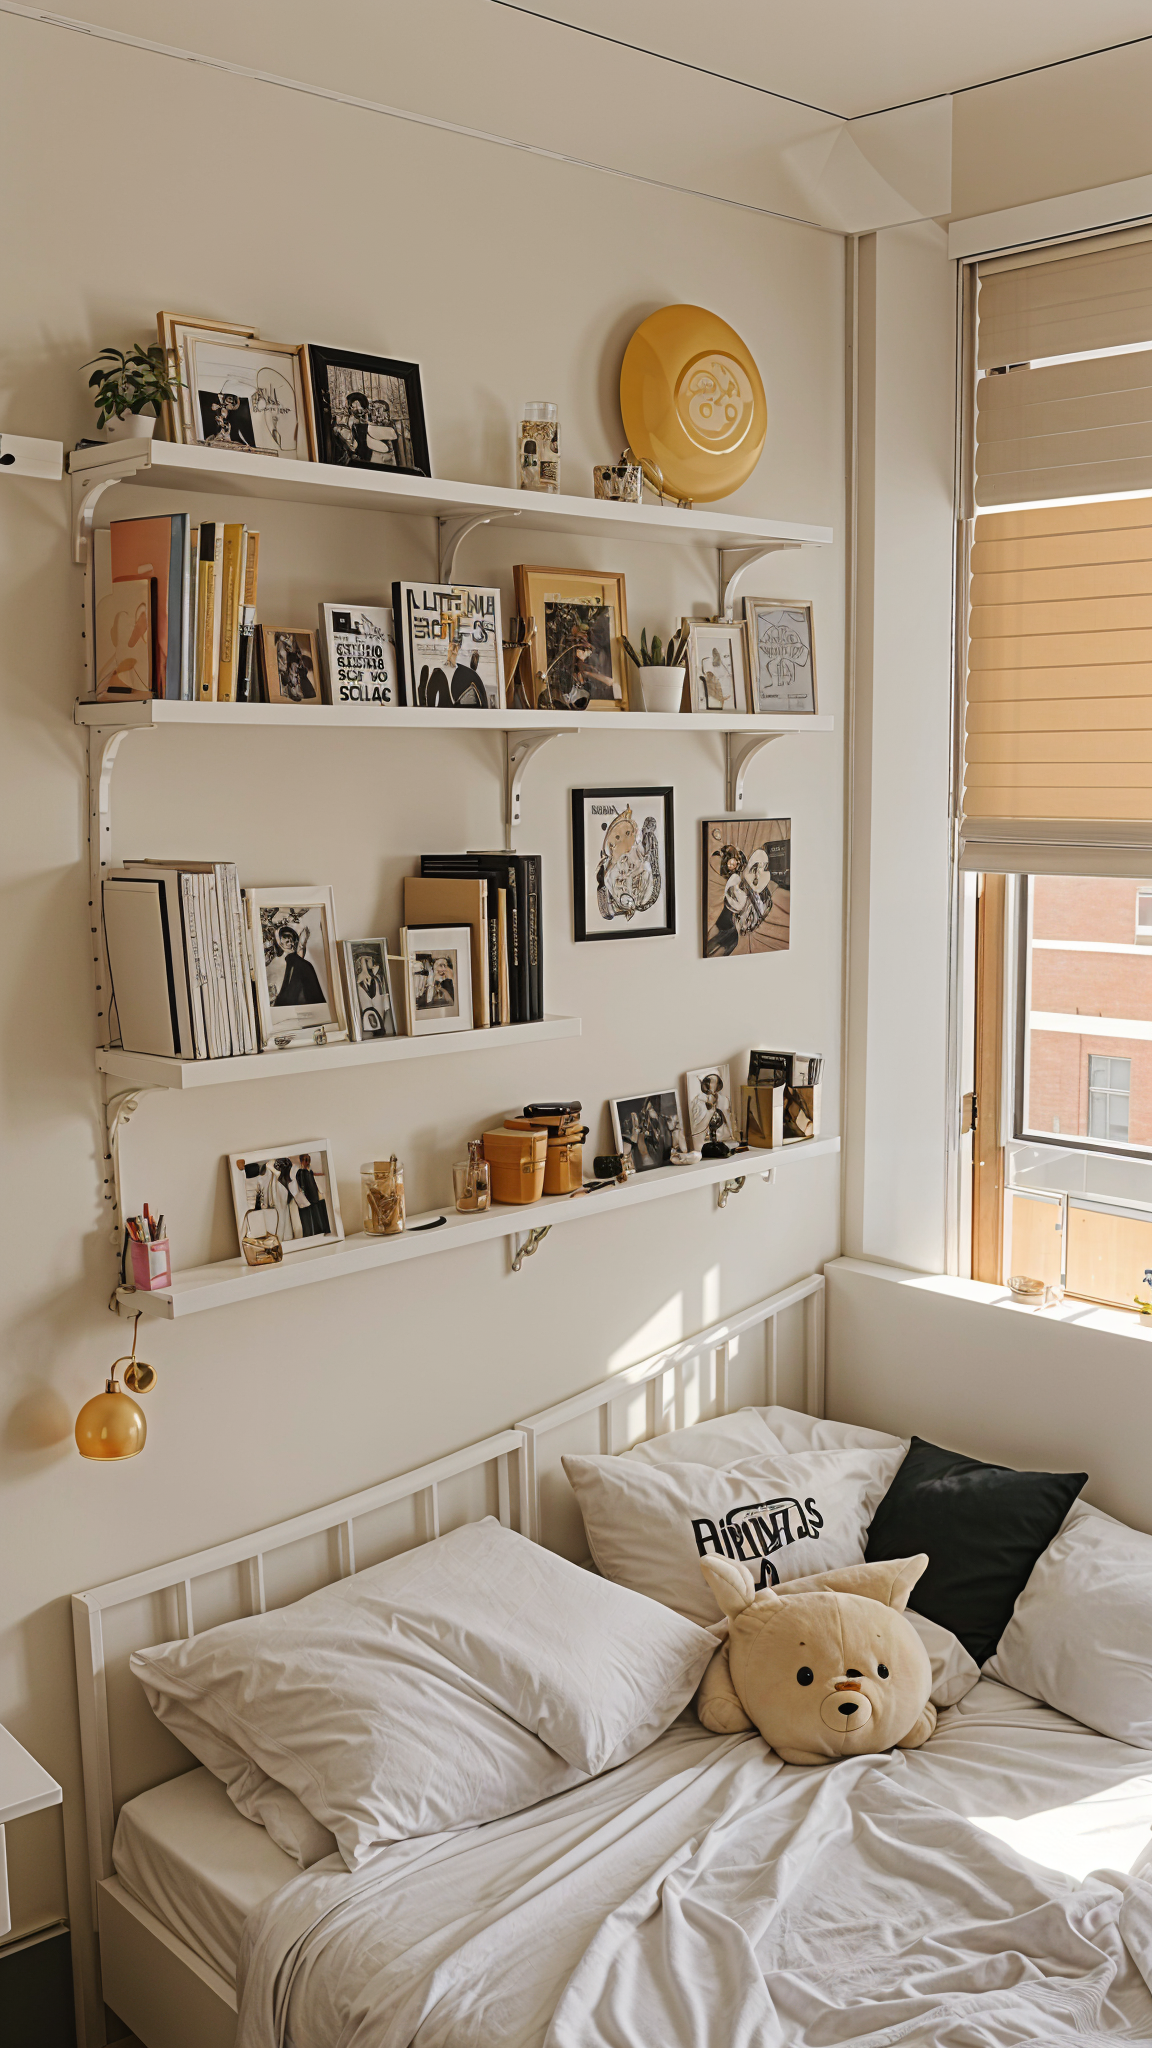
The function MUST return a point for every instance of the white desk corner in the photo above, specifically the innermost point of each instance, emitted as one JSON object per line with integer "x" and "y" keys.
{"x": 25, "y": 1787}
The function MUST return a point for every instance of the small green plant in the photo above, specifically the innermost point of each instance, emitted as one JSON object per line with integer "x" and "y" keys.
{"x": 657, "y": 655}
{"x": 130, "y": 382}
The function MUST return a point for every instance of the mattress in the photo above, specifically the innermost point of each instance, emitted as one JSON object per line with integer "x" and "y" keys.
{"x": 1052, "y": 1790}
{"x": 184, "y": 1852}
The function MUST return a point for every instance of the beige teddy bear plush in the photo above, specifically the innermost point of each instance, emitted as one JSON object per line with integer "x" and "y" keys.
{"x": 827, "y": 1666}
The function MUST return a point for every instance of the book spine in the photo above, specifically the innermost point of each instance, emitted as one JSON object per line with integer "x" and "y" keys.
{"x": 251, "y": 566}
{"x": 187, "y": 585}
{"x": 196, "y": 976}
{"x": 535, "y": 967}
{"x": 226, "y": 1005}
{"x": 240, "y": 950}
{"x": 246, "y": 656}
{"x": 217, "y": 607}
{"x": 189, "y": 686}
{"x": 205, "y": 590}
{"x": 174, "y": 652}
{"x": 404, "y": 694}
{"x": 517, "y": 956}
{"x": 232, "y": 980}
{"x": 232, "y": 573}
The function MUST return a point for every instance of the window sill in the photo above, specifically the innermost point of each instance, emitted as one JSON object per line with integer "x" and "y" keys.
{"x": 1083, "y": 1315}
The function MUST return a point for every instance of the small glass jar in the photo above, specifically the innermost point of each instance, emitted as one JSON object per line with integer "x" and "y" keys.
{"x": 538, "y": 446}
{"x": 472, "y": 1180}
{"x": 382, "y": 1196}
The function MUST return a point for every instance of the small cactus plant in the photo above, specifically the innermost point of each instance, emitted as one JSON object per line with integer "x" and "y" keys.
{"x": 657, "y": 655}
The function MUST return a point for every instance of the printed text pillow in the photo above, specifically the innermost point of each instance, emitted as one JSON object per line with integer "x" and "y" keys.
{"x": 649, "y": 1525}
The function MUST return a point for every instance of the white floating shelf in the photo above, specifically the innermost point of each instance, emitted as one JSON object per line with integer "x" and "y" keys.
{"x": 230, "y": 1280}
{"x": 167, "y": 466}
{"x": 162, "y": 711}
{"x": 152, "y": 1070}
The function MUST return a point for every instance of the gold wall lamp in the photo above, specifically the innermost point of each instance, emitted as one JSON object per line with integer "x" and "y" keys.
{"x": 111, "y": 1424}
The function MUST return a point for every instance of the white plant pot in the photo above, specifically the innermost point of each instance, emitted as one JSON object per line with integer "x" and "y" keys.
{"x": 135, "y": 426}
{"x": 662, "y": 688}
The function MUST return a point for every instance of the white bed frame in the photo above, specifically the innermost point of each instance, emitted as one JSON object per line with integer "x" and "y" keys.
{"x": 152, "y": 1980}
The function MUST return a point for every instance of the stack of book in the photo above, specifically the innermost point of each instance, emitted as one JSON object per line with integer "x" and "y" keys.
{"x": 178, "y": 957}
{"x": 175, "y": 610}
{"x": 499, "y": 895}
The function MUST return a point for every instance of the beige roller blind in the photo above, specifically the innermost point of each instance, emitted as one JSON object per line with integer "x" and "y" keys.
{"x": 1058, "y": 739}
{"x": 1080, "y": 301}
{"x": 1071, "y": 430}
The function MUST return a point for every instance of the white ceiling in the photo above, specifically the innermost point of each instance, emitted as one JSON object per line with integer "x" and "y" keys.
{"x": 852, "y": 57}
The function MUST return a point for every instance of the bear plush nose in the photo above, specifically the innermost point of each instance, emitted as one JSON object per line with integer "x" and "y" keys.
{"x": 846, "y": 1708}
{"x": 849, "y": 1709}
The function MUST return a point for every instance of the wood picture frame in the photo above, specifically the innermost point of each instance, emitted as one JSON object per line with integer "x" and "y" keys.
{"x": 781, "y": 656}
{"x": 241, "y": 393}
{"x": 579, "y": 622}
{"x": 369, "y": 412}
{"x": 290, "y": 666}
{"x": 173, "y": 415}
{"x": 745, "y": 886}
{"x": 623, "y": 863}
{"x": 719, "y": 671}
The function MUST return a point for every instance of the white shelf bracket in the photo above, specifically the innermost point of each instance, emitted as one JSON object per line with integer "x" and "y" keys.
{"x": 118, "y": 1110}
{"x": 452, "y": 533}
{"x": 103, "y": 747}
{"x": 526, "y": 1244}
{"x": 88, "y": 487}
{"x": 729, "y": 578}
{"x": 729, "y": 1187}
{"x": 739, "y": 756}
{"x": 519, "y": 748}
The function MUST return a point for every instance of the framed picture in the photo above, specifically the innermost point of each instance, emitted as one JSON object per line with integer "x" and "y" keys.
{"x": 369, "y": 412}
{"x": 782, "y": 654}
{"x": 717, "y": 665}
{"x": 240, "y": 392}
{"x": 712, "y": 1118}
{"x": 746, "y": 886}
{"x": 371, "y": 1013}
{"x": 647, "y": 1129}
{"x": 286, "y": 1191}
{"x": 450, "y": 644}
{"x": 623, "y": 863}
{"x": 577, "y": 659}
{"x": 438, "y": 977}
{"x": 296, "y": 965}
{"x": 178, "y": 415}
{"x": 289, "y": 665}
{"x": 359, "y": 655}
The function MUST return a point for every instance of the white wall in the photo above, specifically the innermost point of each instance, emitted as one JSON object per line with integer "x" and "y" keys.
{"x": 143, "y": 184}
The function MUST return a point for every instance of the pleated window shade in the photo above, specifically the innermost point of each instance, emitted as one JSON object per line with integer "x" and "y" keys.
{"x": 1058, "y": 746}
{"x": 1073, "y": 429}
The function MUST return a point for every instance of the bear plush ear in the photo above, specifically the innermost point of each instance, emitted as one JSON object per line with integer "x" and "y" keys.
{"x": 733, "y": 1584}
{"x": 890, "y": 1581}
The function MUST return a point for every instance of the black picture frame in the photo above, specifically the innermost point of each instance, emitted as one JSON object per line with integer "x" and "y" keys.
{"x": 403, "y": 433}
{"x": 650, "y": 834}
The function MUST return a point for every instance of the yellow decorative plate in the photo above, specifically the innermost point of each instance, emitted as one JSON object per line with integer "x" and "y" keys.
{"x": 692, "y": 401}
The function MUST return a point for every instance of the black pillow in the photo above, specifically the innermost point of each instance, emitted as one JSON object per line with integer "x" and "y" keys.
{"x": 983, "y": 1527}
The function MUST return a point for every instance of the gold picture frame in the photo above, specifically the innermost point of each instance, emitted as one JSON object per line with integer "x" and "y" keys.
{"x": 719, "y": 669}
{"x": 781, "y": 655}
{"x": 166, "y": 325}
{"x": 239, "y": 392}
{"x": 576, "y": 653}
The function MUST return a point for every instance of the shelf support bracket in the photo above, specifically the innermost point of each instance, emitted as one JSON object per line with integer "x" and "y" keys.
{"x": 519, "y": 748}
{"x": 103, "y": 747}
{"x": 739, "y": 756}
{"x": 88, "y": 487}
{"x": 451, "y": 534}
{"x": 730, "y": 577}
{"x": 527, "y": 1244}
{"x": 118, "y": 1110}
{"x": 729, "y": 1187}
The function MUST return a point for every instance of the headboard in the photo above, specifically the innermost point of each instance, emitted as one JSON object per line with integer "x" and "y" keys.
{"x": 126, "y": 1750}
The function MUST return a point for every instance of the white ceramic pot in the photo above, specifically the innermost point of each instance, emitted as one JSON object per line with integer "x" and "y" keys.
{"x": 662, "y": 688}
{"x": 135, "y": 426}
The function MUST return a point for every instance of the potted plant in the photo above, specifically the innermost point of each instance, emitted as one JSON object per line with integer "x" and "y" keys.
{"x": 661, "y": 669}
{"x": 126, "y": 384}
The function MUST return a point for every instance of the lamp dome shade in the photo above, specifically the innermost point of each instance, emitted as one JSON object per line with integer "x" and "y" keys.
{"x": 110, "y": 1425}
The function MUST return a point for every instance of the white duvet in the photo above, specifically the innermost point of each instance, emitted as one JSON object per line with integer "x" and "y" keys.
{"x": 707, "y": 1896}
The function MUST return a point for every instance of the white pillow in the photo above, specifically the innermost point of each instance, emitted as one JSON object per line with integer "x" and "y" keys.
{"x": 254, "y": 1794}
{"x": 795, "y": 1431}
{"x": 722, "y": 1440}
{"x": 648, "y": 1525}
{"x": 441, "y": 1688}
{"x": 954, "y": 1672}
{"x": 1080, "y": 1637}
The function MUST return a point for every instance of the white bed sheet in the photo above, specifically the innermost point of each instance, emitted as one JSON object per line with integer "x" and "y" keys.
{"x": 184, "y": 1851}
{"x": 670, "y": 1886}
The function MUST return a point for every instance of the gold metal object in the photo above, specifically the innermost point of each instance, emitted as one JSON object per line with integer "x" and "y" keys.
{"x": 729, "y": 1187}
{"x": 530, "y": 1246}
{"x": 693, "y": 403}
{"x": 111, "y": 1424}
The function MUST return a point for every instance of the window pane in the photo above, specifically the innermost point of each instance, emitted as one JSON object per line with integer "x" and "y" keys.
{"x": 1144, "y": 910}
{"x": 1035, "y": 1239}
{"x": 1118, "y": 1118}
{"x": 1107, "y": 1255}
{"x": 1087, "y": 996}
{"x": 1097, "y": 1116}
{"x": 1121, "y": 1075}
{"x": 1098, "y": 1071}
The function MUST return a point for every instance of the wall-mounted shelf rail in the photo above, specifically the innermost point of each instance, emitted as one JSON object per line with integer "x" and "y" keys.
{"x": 230, "y": 1280}
{"x": 153, "y": 1070}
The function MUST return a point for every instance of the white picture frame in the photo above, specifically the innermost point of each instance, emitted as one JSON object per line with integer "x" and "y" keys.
{"x": 781, "y": 655}
{"x": 719, "y": 677}
{"x": 437, "y": 978}
{"x": 292, "y": 1187}
{"x": 243, "y": 394}
{"x": 307, "y": 912}
{"x": 712, "y": 1115}
{"x": 368, "y": 985}
{"x": 647, "y": 1128}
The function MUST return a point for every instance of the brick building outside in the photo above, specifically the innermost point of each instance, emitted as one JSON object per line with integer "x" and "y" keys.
{"x": 1092, "y": 960}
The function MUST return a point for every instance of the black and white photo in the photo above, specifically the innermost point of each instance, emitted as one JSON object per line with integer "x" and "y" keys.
{"x": 370, "y": 1009}
{"x": 647, "y": 1129}
{"x": 623, "y": 863}
{"x": 711, "y": 1116}
{"x": 369, "y": 412}
{"x": 450, "y": 645}
{"x": 295, "y": 966}
{"x": 291, "y": 671}
{"x": 358, "y": 652}
{"x": 782, "y": 655}
{"x": 238, "y": 392}
{"x": 288, "y": 1192}
{"x": 438, "y": 977}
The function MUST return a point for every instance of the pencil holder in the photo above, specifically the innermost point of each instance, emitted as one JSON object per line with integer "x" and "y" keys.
{"x": 151, "y": 1264}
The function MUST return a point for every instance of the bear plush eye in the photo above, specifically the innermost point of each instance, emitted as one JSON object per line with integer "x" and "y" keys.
{"x": 881, "y": 1671}
{"x": 804, "y": 1675}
